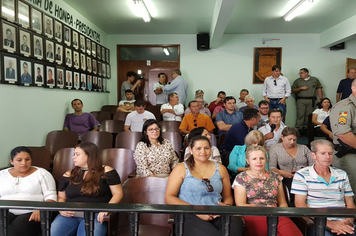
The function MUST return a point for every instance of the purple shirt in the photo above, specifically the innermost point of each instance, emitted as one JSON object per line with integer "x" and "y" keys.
{"x": 80, "y": 123}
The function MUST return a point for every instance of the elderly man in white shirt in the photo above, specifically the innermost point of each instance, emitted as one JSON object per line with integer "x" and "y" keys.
{"x": 173, "y": 110}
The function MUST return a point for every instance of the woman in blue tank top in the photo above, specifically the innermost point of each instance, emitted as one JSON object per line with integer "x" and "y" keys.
{"x": 199, "y": 181}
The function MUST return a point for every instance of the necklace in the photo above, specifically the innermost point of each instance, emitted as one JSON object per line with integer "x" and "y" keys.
{"x": 201, "y": 173}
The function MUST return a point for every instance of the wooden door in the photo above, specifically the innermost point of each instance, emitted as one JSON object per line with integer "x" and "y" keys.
{"x": 350, "y": 63}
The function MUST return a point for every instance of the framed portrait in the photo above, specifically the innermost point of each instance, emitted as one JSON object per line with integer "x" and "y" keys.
{"x": 102, "y": 53}
{"x": 9, "y": 32}
{"x": 76, "y": 80}
{"x": 89, "y": 83}
{"x": 69, "y": 79}
{"x": 103, "y": 70}
{"x": 75, "y": 39}
{"x": 89, "y": 64}
{"x": 82, "y": 43}
{"x": 82, "y": 61}
{"x": 36, "y": 20}
{"x": 93, "y": 48}
{"x": 108, "y": 71}
{"x": 67, "y": 36}
{"x": 23, "y": 14}
{"x": 10, "y": 69}
{"x": 48, "y": 26}
{"x": 100, "y": 85}
{"x": 107, "y": 55}
{"x": 98, "y": 51}
{"x": 8, "y": 10}
{"x": 58, "y": 31}
{"x": 60, "y": 77}
{"x": 105, "y": 88}
{"x": 88, "y": 44}
{"x": 76, "y": 59}
{"x": 83, "y": 81}
{"x": 59, "y": 54}
{"x": 68, "y": 55}
{"x": 263, "y": 58}
{"x": 99, "y": 68}
{"x": 50, "y": 80}
{"x": 25, "y": 75}
{"x": 94, "y": 66}
{"x": 49, "y": 50}
{"x": 38, "y": 46}
{"x": 25, "y": 42}
{"x": 40, "y": 76}
{"x": 95, "y": 83}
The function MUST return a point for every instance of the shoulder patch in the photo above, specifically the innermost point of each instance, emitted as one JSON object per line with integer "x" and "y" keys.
{"x": 342, "y": 120}
{"x": 343, "y": 113}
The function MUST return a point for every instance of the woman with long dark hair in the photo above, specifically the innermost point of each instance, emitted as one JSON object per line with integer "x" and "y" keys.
{"x": 320, "y": 114}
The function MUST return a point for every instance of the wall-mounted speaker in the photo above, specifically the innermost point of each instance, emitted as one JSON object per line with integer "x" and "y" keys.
{"x": 203, "y": 42}
{"x": 339, "y": 46}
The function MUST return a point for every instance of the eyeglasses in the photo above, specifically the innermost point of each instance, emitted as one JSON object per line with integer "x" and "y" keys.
{"x": 275, "y": 109}
{"x": 209, "y": 187}
{"x": 195, "y": 123}
{"x": 154, "y": 130}
{"x": 275, "y": 82}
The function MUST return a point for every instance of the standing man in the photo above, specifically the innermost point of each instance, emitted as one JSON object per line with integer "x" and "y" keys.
{"x": 218, "y": 102}
{"x": 241, "y": 102}
{"x": 276, "y": 89}
{"x": 161, "y": 97}
{"x": 226, "y": 118}
{"x": 79, "y": 121}
{"x": 172, "y": 110}
{"x": 344, "y": 88}
{"x": 273, "y": 130}
{"x": 178, "y": 85}
{"x": 131, "y": 76}
{"x": 134, "y": 121}
{"x": 343, "y": 126}
{"x": 305, "y": 89}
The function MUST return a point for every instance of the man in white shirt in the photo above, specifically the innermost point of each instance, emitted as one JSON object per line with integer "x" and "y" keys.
{"x": 172, "y": 110}
{"x": 273, "y": 130}
{"x": 161, "y": 97}
{"x": 276, "y": 89}
{"x": 241, "y": 101}
{"x": 128, "y": 104}
{"x": 134, "y": 121}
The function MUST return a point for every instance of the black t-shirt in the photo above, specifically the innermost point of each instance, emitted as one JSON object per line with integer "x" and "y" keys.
{"x": 73, "y": 192}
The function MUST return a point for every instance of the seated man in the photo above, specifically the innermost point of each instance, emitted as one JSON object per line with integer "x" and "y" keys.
{"x": 263, "y": 107}
{"x": 241, "y": 101}
{"x": 134, "y": 121}
{"x": 250, "y": 103}
{"x": 202, "y": 109}
{"x": 172, "y": 110}
{"x": 226, "y": 118}
{"x": 128, "y": 104}
{"x": 218, "y": 102}
{"x": 195, "y": 119}
{"x": 79, "y": 121}
{"x": 273, "y": 130}
{"x": 322, "y": 186}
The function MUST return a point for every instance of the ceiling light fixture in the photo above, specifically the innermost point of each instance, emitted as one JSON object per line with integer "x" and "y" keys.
{"x": 166, "y": 51}
{"x": 142, "y": 10}
{"x": 300, "y": 8}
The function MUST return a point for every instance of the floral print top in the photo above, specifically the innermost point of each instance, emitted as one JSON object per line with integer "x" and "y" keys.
{"x": 260, "y": 191}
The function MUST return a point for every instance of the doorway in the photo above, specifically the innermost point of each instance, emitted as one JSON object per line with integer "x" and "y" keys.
{"x": 150, "y": 60}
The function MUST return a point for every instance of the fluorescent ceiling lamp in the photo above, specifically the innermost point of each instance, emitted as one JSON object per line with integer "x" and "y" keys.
{"x": 300, "y": 8}
{"x": 166, "y": 51}
{"x": 142, "y": 10}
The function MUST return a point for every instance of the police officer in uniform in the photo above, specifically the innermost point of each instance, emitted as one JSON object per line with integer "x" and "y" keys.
{"x": 305, "y": 89}
{"x": 343, "y": 125}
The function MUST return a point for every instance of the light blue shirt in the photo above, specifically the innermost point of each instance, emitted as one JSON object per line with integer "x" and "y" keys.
{"x": 179, "y": 86}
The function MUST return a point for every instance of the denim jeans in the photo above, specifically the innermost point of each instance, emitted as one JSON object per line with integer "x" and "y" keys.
{"x": 72, "y": 226}
{"x": 273, "y": 104}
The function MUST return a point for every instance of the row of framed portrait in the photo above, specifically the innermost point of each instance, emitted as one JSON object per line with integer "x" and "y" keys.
{"x": 29, "y": 72}
{"x": 28, "y": 17}
{"x": 37, "y": 46}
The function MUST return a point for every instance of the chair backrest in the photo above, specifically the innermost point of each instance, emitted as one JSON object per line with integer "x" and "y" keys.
{"x": 109, "y": 108}
{"x": 58, "y": 139}
{"x": 120, "y": 159}
{"x": 101, "y": 115}
{"x": 120, "y": 115}
{"x": 101, "y": 139}
{"x": 176, "y": 140}
{"x": 63, "y": 161}
{"x": 221, "y": 139}
{"x": 128, "y": 140}
{"x": 112, "y": 126}
{"x": 96, "y": 114}
{"x": 41, "y": 157}
{"x": 156, "y": 110}
{"x": 169, "y": 126}
{"x": 213, "y": 140}
{"x": 146, "y": 190}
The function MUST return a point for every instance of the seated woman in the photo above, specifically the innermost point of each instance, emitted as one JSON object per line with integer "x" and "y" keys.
{"x": 201, "y": 131}
{"x": 154, "y": 156}
{"x": 26, "y": 183}
{"x": 88, "y": 181}
{"x": 289, "y": 156}
{"x": 320, "y": 114}
{"x": 199, "y": 181}
{"x": 249, "y": 100}
{"x": 237, "y": 160}
{"x": 260, "y": 187}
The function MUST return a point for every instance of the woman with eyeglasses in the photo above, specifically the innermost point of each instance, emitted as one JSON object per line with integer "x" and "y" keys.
{"x": 154, "y": 156}
{"x": 260, "y": 187}
{"x": 199, "y": 181}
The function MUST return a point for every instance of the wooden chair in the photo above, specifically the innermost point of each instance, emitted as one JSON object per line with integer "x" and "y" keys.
{"x": 109, "y": 108}
{"x": 120, "y": 115}
{"x": 128, "y": 140}
{"x": 58, "y": 139}
{"x": 311, "y": 133}
{"x": 120, "y": 159}
{"x": 213, "y": 140}
{"x": 63, "y": 161}
{"x": 169, "y": 126}
{"x": 101, "y": 139}
{"x": 221, "y": 140}
{"x": 101, "y": 115}
{"x": 146, "y": 190}
{"x": 176, "y": 140}
{"x": 112, "y": 126}
{"x": 41, "y": 157}
{"x": 156, "y": 110}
